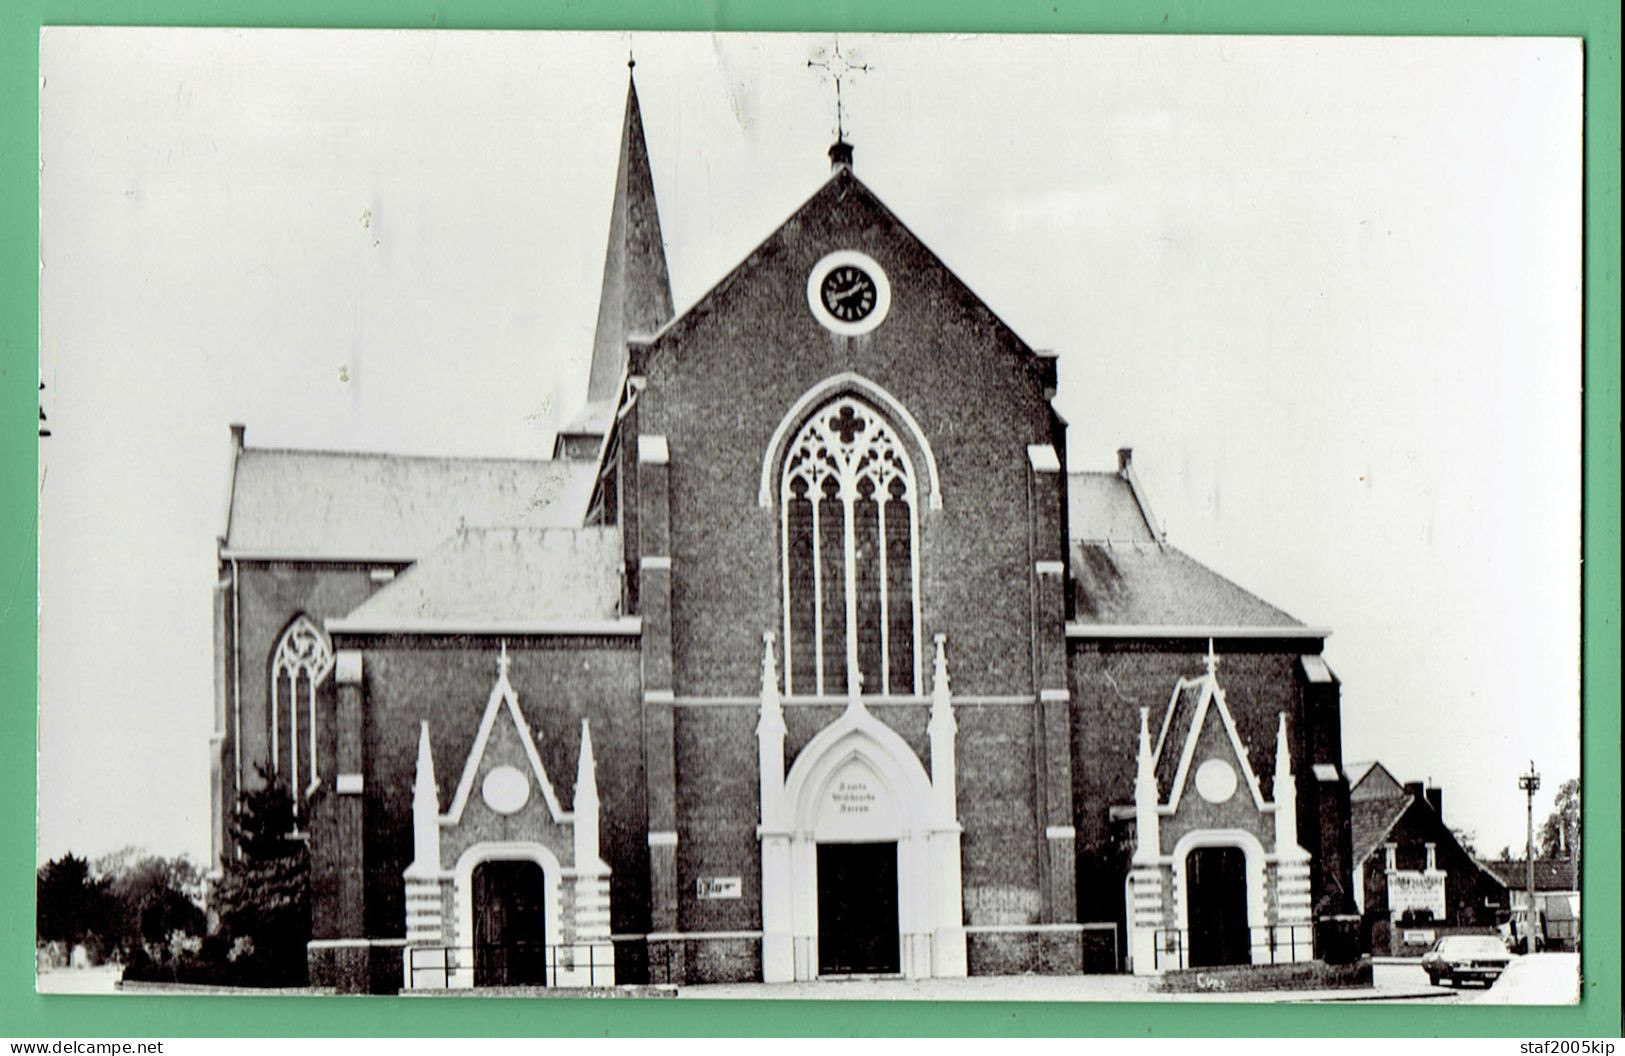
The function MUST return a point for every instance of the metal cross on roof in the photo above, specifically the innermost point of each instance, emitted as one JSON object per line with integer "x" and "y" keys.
{"x": 838, "y": 66}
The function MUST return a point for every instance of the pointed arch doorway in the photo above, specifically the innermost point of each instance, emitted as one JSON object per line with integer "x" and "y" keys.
{"x": 860, "y": 861}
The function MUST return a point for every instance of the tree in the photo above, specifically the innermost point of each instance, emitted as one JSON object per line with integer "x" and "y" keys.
{"x": 264, "y": 893}
{"x": 153, "y": 898}
{"x": 72, "y": 905}
{"x": 1560, "y": 834}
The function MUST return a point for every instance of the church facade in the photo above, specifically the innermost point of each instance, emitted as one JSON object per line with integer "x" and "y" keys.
{"x": 805, "y": 655}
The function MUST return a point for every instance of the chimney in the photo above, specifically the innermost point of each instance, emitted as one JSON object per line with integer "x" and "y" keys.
{"x": 1414, "y": 789}
{"x": 237, "y": 431}
{"x": 1436, "y": 801}
{"x": 1125, "y": 459}
{"x": 840, "y": 155}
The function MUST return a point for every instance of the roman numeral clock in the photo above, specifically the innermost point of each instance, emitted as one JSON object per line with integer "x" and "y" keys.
{"x": 848, "y": 292}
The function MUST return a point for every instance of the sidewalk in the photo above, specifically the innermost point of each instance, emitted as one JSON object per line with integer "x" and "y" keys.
{"x": 1110, "y": 988}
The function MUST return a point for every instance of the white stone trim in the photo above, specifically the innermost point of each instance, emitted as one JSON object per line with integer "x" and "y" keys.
{"x": 652, "y": 450}
{"x": 1060, "y": 832}
{"x": 1257, "y": 914}
{"x": 681, "y": 936}
{"x": 610, "y": 627}
{"x": 1043, "y": 459}
{"x": 1075, "y": 629}
{"x": 353, "y": 944}
{"x": 651, "y": 562}
{"x": 463, "y": 892}
{"x": 381, "y": 575}
{"x": 1023, "y": 929}
{"x": 301, "y": 558}
{"x": 1050, "y": 568}
{"x": 502, "y": 694}
{"x": 827, "y": 389}
{"x": 1212, "y": 694}
{"x": 347, "y": 667}
{"x": 348, "y": 784}
{"x": 930, "y": 910}
{"x": 659, "y": 696}
{"x": 1054, "y": 696}
{"x": 662, "y": 838}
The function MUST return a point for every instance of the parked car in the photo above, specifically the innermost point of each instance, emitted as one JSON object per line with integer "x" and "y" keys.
{"x": 1459, "y": 958}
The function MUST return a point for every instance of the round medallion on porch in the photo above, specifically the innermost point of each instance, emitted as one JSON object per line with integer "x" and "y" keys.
{"x": 1216, "y": 781}
{"x": 505, "y": 789}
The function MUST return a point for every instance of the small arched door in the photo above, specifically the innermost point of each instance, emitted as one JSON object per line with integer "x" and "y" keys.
{"x": 1216, "y": 885}
{"x": 510, "y": 918}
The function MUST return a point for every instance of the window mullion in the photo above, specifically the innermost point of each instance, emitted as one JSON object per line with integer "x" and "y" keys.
{"x": 814, "y": 493}
{"x": 276, "y": 720}
{"x": 293, "y": 739}
{"x": 849, "y": 496}
{"x": 885, "y": 608}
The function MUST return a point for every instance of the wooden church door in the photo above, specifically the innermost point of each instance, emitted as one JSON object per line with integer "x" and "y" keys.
{"x": 857, "y": 909}
{"x": 1216, "y": 885}
{"x": 510, "y": 938}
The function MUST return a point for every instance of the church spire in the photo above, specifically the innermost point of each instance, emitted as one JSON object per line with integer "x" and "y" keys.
{"x": 636, "y": 296}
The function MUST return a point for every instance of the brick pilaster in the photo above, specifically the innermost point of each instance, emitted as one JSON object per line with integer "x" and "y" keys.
{"x": 654, "y": 599}
{"x": 1052, "y": 721}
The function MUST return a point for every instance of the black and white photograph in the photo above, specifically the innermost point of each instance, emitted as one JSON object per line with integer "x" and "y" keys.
{"x": 997, "y": 518}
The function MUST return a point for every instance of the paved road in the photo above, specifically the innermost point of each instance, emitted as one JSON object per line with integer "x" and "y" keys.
{"x": 1547, "y": 978}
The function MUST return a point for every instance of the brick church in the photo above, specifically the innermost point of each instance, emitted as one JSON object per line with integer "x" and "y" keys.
{"x": 805, "y": 655}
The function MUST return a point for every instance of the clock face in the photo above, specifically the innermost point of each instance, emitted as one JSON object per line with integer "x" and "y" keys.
{"x": 848, "y": 293}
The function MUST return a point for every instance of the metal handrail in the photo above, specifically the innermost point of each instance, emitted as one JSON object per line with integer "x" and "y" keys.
{"x": 1172, "y": 945}
{"x": 514, "y": 963}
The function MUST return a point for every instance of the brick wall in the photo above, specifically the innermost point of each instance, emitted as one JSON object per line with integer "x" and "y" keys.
{"x": 269, "y": 596}
{"x": 448, "y": 682}
{"x": 722, "y": 379}
{"x": 1111, "y": 681}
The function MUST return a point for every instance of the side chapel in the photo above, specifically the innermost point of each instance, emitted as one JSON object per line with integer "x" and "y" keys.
{"x": 846, "y": 672}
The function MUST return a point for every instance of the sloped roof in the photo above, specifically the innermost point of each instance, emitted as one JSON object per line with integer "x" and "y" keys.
{"x": 501, "y": 577}
{"x": 843, "y": 194}
{"x": 1101, "y": 507}
{"x": 1374, "y": 781}
{"x": 1551, "y": 874}
{"x": 1146, "y": 584}
{"x": 339, "y": 504}
{"x": 1371, "y": 820}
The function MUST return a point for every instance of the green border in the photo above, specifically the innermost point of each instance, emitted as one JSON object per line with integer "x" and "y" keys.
{"x": 23, "y": 1012}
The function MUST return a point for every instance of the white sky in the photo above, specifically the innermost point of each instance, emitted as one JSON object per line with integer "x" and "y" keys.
{"x": 1328, "y": 289}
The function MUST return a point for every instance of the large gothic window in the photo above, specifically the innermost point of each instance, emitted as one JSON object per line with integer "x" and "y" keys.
{"x": 301, "y": 662}
{"x": 848, "y": 524}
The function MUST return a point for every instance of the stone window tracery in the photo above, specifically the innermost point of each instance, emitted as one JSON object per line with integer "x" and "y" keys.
{"x": 849, "y": 526}
{"x": 302, "y": 662}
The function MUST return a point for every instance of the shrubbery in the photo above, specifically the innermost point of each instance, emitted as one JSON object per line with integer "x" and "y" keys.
{"x": 147, "y": 914}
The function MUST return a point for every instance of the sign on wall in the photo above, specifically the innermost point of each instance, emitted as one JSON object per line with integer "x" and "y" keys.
{"x": 1409, "y": 890}
{"x": 717, "y": 887}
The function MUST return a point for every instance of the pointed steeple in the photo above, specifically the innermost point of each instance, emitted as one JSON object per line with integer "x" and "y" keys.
{"x": 636, "y": 296}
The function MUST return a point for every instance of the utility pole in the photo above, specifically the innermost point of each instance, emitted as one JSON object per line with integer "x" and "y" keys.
{"x": 1529, "y": 783}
